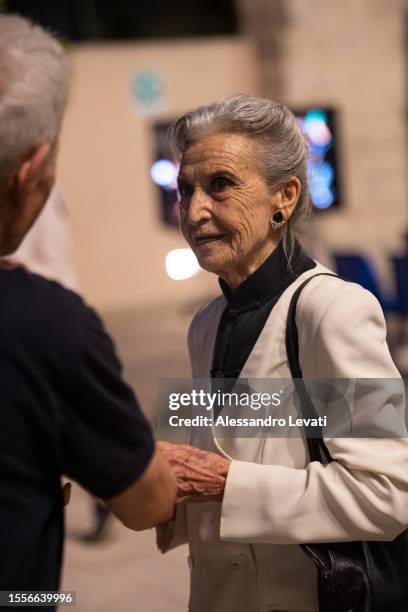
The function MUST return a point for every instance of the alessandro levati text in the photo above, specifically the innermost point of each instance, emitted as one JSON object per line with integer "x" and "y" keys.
{"x": 227, "y": 421}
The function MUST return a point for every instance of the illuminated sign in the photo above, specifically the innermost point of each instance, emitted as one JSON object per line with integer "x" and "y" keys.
{"x": 319, "y": 128}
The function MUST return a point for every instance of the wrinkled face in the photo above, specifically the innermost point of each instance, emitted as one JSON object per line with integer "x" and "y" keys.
{"x": 225, "y": 206}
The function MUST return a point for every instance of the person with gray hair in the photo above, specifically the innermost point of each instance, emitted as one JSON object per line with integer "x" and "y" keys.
{"x": 65, "y": 409}
{"x": 33, "y": 91}
{"x": 247, "y": 505}
{"x": 281, "y": 151}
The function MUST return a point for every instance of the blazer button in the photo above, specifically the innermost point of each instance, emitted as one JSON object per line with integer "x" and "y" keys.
{"x": 240, "y": 562}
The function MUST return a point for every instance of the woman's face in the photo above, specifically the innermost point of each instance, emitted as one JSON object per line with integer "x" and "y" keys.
{"x": 225, "y": 206}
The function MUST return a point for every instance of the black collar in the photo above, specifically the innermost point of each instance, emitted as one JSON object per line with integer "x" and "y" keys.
{"x": 272, "y": 277}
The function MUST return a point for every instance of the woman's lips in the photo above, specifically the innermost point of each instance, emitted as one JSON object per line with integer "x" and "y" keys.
{"x": 206, "y": 239}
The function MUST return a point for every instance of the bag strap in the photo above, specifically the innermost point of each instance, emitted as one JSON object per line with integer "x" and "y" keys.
{"x": 316, "y": 445}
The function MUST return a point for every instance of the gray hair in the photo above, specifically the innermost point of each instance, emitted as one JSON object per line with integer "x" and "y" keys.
{"x": 34, "y": 75}
{"x": 283, "y": 150}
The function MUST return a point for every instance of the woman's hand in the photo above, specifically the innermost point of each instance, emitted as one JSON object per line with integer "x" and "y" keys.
{"x": 200, "y": 474}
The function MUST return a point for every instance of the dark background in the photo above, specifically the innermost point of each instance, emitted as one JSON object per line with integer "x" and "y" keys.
{"x": 82, "y": 20}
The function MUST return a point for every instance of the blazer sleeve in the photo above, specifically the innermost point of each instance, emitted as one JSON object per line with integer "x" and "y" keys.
{"x": 363, "y": 493}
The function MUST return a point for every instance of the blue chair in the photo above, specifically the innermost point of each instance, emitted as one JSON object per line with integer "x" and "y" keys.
{"x": 358, "y": 269}
{"x": 401, "y": 281}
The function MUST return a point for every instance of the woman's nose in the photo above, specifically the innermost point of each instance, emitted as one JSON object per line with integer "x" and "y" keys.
{"x": 199, "y": 208}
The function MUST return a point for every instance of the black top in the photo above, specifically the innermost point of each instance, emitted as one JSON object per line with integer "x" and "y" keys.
{"x": 249, "y": 307}
{"x": 64, "y": 410}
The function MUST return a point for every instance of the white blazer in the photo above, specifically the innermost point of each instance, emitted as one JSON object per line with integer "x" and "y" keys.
{"x": 244, "y": 553}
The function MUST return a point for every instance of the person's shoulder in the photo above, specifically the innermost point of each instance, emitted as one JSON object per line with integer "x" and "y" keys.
{"x": 30, "y": 300}
{"x": 342, "y": 332}
{"x": 330, "y": 296}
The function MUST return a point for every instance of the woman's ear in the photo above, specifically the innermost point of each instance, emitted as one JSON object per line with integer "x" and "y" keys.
{"x": 289, "y": 196}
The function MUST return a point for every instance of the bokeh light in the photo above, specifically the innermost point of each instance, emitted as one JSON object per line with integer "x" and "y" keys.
{"x": 164, "y": 173}
{"x": 316, "y": 126}
{"x": 181, "y": 264}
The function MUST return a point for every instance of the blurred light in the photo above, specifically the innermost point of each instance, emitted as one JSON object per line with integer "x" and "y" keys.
{"x": 316, "y": 128}
{"x": 316, "y": 113}
{"x": 164, "y": 173}
{"x": 320, "y": 174}
{"x": 317, "y": 125}
{"x": 322, "y": 197}
{"x": 324, "y": 173}
{"x": 181, "y": 264}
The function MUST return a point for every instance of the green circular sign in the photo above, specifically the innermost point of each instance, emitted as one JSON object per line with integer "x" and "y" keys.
{"x": 147, "y": 88}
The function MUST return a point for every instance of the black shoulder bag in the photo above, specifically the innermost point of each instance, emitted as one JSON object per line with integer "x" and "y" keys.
{"x": 352, "y": 576}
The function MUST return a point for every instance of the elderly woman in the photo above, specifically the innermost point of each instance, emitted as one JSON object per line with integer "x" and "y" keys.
{"x": 244, "y": 201}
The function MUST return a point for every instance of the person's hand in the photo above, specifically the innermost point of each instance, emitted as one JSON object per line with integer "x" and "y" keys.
{"x": 200, "y": 474}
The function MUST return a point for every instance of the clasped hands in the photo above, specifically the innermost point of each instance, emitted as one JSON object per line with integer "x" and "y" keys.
{"x": 200, "y": 474}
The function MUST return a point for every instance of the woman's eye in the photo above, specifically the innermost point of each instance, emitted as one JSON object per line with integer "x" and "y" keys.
{"x": 220, "y": 183}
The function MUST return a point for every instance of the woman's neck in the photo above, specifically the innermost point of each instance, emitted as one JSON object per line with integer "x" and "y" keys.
{"x": 235, "y": 276}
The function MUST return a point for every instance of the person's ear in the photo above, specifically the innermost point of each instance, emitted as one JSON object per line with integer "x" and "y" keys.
{"x": 288, "y": 197}
{"x": 31, "y": 169}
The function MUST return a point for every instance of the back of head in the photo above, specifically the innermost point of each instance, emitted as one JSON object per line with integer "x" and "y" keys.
{"x": 34, "y": 75}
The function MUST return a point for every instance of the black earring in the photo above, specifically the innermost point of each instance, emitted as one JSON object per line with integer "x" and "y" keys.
{"x": 277, "y": 220}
